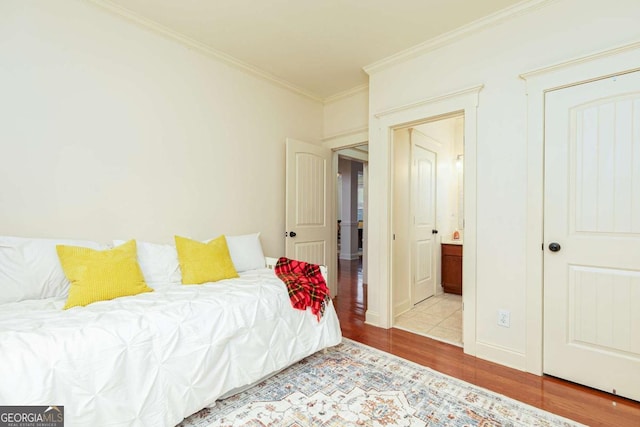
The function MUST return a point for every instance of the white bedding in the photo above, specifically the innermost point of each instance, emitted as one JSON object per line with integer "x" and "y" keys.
{"x": 154, "y": 358}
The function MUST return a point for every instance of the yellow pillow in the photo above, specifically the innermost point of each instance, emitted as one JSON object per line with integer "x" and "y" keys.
{"x": 101, "y": 275}
{"x": 204, "y": 262}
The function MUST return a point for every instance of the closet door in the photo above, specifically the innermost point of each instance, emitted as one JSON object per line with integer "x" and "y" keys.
{"x": 592, "y": 234}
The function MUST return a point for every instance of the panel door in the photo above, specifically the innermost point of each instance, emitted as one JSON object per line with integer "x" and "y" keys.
{"x": 308, "y": 205}
{"x": 592, "y": 211}
{"x": 424, "y": 209}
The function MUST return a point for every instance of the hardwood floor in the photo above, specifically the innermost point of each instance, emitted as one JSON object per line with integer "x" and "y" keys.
{"x": 570, "y": 400}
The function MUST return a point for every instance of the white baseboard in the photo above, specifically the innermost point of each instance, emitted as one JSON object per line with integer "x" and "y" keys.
{"x": 501, "y": 355}
{"x": 372, "y": 318}
{"x": 401, "y": 308}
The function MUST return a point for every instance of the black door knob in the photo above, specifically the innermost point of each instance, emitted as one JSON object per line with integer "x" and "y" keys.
{"x": 292, "y": 234}
{"x": 434, "y": 231}
{"x": 554, "y": 247}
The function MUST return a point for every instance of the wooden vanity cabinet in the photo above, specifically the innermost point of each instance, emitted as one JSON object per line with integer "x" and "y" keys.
{"x": 452, "y": 268}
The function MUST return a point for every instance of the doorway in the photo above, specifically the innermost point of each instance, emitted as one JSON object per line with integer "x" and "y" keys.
{"x": 350, "y": 208}
{"x": 428, "y": 227}
{"x": 351, "y": 165}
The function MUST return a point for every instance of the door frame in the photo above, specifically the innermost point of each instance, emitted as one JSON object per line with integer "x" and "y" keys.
{"x": 379, "y": 310}
{"x": 620, "y": 60}
{"x": 335, "y": 143}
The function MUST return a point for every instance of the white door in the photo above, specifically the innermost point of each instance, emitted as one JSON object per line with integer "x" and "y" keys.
{"x": 592, "y": 213}
{"x": 424, "y": 215}
{"x": 309, "y": 199}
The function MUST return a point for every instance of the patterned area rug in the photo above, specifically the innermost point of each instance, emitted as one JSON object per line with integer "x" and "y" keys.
{"x": 356, "y": 385}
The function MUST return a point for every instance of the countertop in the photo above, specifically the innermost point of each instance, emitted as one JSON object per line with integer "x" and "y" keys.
{"x": 450, "y": 241}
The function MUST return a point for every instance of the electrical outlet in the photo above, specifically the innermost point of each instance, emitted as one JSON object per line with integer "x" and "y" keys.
{"x": 504, "y": 318}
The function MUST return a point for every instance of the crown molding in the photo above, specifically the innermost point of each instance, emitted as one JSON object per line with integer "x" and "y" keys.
{"x": 580, "y": 60}
{"x": 353, "y": 153}
{"x": 350, "y": 132}
{"x": 347, "y": 139}
{"x": 450, "y": 37}
{"x": 346, "y": 94}
{"x": 467, "y": 91}
{"x": 202, "y": 48}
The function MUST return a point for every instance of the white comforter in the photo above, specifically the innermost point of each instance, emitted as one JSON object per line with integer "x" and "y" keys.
{"x": 154, "y": 358}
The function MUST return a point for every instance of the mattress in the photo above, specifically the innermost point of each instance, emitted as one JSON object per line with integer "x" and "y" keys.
{"x": 154, "y": 358}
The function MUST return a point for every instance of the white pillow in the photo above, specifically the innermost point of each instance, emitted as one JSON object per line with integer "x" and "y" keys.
{"x": 30, "y": 268}
{"x": 15, "y": 285}
{"x": 158, "y": 262}
{"x": 246, "y": 252}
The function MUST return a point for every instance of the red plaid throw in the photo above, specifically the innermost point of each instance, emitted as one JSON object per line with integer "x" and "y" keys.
{"x": 305, "y": 284}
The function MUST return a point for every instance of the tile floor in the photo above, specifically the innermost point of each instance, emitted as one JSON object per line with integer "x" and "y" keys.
{"x": 438, "y": 317}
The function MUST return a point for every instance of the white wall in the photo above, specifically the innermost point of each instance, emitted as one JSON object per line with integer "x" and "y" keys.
{"x": 109, "y": 130}
{"x": 494, "y": 57}
{"x": 346, "y": 114}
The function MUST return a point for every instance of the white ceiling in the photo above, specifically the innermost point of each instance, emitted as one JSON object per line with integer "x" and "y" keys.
{"x": 317, "y": 46}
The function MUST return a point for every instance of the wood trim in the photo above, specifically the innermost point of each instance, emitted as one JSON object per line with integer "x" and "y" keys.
{"x": 432, "y": 100}
{"x": 464, "y": 101}
{"x": 347, "y": 138}
{"x": 530, "y": 75}
{"x": 346, "y": 94}
{"x": 507, "y": 357}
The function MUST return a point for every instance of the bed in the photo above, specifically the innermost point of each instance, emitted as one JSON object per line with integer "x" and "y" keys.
{"x": 157, "y": 357}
